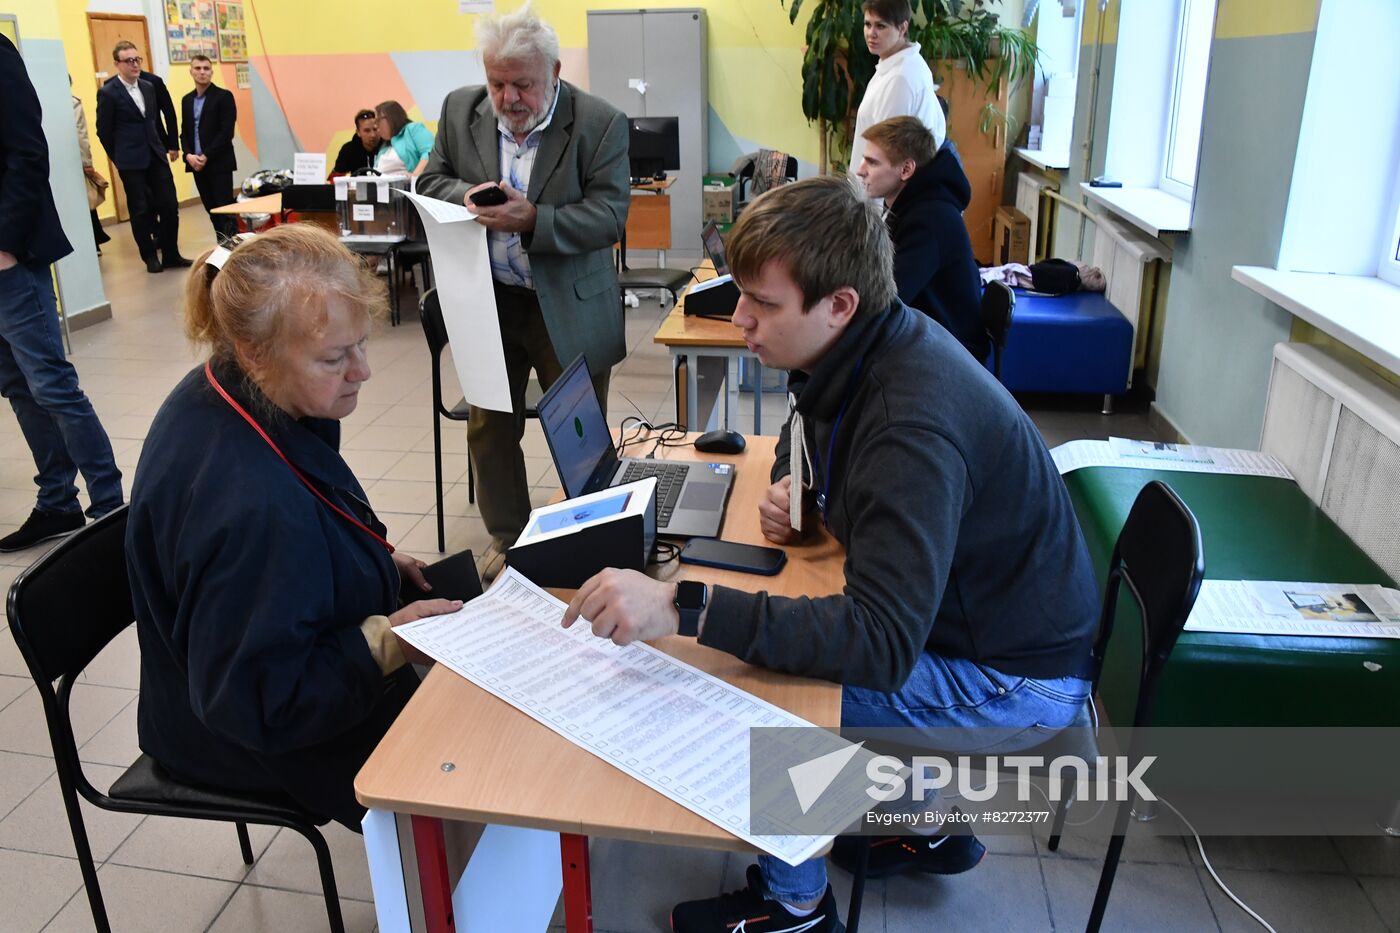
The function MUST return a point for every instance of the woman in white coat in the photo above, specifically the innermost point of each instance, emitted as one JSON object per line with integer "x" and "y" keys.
{"x": 903, "y": 84}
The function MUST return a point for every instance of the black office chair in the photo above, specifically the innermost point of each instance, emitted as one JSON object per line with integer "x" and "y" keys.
{"x": 430, "y": 314}
{"x": 1159, "y": 556}
{"x": 744, "y": 177}
{"x": 63, "y": 611}
{"x": 998, "y": 308}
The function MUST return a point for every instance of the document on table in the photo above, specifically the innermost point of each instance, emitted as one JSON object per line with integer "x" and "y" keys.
{"x": 1259, "y": 607}
{"x": 462, "y": 269}
{"x": 1156, "y": 455}
{"x": 680, "y": 731}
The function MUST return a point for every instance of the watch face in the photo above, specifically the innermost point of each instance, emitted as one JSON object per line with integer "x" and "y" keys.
{"x": 690, "y": 595}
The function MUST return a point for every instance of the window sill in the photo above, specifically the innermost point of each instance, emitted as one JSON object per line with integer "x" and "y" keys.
{"x": 1045, "y": 161}
{"x": 1149, "y": 209}
{"x": 1362, "y": 312}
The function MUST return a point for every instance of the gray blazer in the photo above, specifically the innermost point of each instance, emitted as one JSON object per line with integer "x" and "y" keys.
{"x": 581, "y": 188}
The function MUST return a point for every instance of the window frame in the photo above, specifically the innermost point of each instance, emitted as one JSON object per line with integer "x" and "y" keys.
{"x": 1166, "y": 182}
{"x": 1388, "y": 269}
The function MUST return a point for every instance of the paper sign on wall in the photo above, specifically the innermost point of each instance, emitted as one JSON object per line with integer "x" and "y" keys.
{"x": 308, "y": 168}
{"x": 362, "y": 211}
{"x": 476, "y": 6}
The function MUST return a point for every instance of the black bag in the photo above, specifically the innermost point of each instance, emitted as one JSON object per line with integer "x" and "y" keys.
{"x": 1055, "y": 277}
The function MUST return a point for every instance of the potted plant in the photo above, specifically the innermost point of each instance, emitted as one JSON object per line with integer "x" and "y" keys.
{"x": 836, "y": 65}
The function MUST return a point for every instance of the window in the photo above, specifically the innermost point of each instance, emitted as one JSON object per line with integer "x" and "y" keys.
{"x": 1196, "y": 26}
{"x": 1389, "y": 268}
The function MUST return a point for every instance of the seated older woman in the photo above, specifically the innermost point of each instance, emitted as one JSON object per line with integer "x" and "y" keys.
{"x": 264, "y": 589}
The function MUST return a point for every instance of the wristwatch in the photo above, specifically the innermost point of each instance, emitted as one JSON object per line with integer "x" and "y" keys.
{"x": 690, "y": 600}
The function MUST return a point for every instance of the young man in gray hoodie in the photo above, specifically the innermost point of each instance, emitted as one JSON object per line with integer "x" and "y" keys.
{"x": 969, "y": 597}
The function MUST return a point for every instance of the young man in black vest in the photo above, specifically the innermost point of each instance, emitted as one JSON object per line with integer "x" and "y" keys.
{"x": 969, "y": 598}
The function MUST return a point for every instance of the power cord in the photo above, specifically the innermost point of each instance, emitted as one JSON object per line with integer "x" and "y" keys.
{"x": 664, "y": 553}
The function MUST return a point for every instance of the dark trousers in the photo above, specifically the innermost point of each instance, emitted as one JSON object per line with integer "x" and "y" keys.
{"x": 215, "y": 190}
{"x": 155, "y": 213}
{"x": 493, "y": 437}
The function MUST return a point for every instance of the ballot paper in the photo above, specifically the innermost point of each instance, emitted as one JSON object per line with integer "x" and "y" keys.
{"x": 462, "y": 268}
{"x": 1157, "y": 455}
{"x": 1260, "y": 607}
{"x": 675, "y": 728}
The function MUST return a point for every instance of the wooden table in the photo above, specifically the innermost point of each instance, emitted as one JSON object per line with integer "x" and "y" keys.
{"x": 267, "y": 204}
{"x": 690, "y": 338}
{"x": 511, "y": 772}
{"x": 648, "y": 220}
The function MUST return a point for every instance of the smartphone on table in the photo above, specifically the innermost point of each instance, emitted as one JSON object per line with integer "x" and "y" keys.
{"x": 727, "y": 555}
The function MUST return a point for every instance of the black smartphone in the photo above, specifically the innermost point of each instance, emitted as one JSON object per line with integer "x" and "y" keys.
{"x": 452, "y": 577}
{"x": 488, "y": 197}
{"x": 726, "y": 555}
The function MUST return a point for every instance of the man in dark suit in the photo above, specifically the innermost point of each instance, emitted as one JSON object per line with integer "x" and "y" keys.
{"x": 141, "y": 149}
{"x": 208, "y": 114}
{"x": 54, "y": 415}
{"x": 560, "y": 157}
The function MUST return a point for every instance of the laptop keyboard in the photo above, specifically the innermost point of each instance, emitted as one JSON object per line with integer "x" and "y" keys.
{"x": 670, "y": 477}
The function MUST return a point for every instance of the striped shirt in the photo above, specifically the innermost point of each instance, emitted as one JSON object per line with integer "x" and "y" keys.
{"x": 509, "y": 263}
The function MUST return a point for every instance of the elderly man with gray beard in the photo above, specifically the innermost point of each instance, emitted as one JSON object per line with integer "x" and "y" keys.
{"x": 560, "y": 157}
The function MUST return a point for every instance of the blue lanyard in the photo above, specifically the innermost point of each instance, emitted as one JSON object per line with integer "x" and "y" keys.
{"x": 829, "y": 467}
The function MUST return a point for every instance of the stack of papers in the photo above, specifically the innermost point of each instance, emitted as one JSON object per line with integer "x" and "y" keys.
{"x": 1259, "y": 607}
{"x": 1158, "y": 455}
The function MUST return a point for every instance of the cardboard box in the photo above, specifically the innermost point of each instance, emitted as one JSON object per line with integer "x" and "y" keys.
{"x": 1011, "y": 237}
{"x": 718, "y": 204}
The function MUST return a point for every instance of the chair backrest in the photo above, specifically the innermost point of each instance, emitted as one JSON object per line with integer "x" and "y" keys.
{"x": 65, "y": 609}
{"x": 998, "y": 308}
{"x": 430, "y": 315}
{"x": 1160, "y": 558}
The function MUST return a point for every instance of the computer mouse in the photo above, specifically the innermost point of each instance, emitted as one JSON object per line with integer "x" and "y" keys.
{"x": 720, "y": 442}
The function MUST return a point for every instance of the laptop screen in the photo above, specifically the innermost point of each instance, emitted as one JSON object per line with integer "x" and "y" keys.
{"x": 575, "y": 428}
{"x": 714, "y": 246}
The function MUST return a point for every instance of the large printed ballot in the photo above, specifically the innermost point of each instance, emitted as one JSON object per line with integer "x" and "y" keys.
{"x": 462, "y": 268}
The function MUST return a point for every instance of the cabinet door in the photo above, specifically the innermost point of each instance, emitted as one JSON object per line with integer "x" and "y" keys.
{"x": 674, "y": 54}
{"x": 615, "y": 46}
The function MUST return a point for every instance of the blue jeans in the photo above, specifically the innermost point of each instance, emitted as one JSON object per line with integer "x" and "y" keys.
{"x": 57, "y": 419}
{"x": 944, "y": 693}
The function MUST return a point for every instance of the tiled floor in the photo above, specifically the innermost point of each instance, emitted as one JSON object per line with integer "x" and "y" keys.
{"x": 165, "y": 875}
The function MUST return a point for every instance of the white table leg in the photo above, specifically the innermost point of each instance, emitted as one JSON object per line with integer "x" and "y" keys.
{"x": 386, "y": 875}
{"x": 512, "y": 881}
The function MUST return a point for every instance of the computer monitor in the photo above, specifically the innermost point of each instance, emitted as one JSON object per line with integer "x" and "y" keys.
{"x": 714, "y": 247}
{"x": 654, "y": 145}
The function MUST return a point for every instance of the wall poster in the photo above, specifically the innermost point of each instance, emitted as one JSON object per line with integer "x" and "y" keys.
{"x": 233, "y": 37}
{"x": 190, "y": 30}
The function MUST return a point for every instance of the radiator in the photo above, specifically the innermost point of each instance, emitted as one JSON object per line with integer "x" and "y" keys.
{"x": 1337, "y": 429}
{"x": 1131, "y": 262}
{"x": 1041, "y": 211}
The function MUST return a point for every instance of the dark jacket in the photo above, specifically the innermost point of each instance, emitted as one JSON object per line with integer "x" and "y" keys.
{"x": 352, "y": 156}
{"x": 130, "y": 138}
{"x": 30, "y": 230}
{"x": 249, "y": 594}
{"x": 216, "y": 123}
{"x": 934, "y": 269}
{"x": 959, "y": 534}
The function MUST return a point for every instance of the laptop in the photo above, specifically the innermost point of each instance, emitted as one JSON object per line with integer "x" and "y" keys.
{"x": 714, "y": 247}
{"x": 690, "y": 496}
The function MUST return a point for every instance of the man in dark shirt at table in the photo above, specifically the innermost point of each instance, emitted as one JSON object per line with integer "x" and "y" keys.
{"x": 359, "y": 150}
{"x": 969, "y": 599}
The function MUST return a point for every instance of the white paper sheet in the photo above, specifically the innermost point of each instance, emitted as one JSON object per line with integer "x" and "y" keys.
{"x": 308, "y": 168}
{"x": 1334, "y": 610}
{"x": 1150, "y": 455}
{"x": 462, "y": 267}
{"x": 680, "y": 731}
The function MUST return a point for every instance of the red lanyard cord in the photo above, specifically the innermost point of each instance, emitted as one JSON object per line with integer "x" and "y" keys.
{"x": 209, "y": 374}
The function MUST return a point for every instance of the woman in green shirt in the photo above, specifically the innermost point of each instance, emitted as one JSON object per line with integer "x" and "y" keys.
{"x": 407, "y": 143}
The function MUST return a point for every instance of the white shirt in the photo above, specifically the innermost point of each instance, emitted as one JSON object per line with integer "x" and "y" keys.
{"x": 510, "y": 264}
{"x": 902, "y": 87}
{"x": 134, "y": 89}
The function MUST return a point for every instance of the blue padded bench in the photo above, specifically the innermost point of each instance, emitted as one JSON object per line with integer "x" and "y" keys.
{"x": 1074, "y": 343}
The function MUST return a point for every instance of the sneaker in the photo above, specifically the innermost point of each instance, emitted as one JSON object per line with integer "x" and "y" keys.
{"x": 153, "y": 264}
{"x": 491, "y": 562}
{"x": 943, "y": 854}
{"x": 41, "y": 526}
{"x": 175, "y": 261}
{"x": 751, "y": 910}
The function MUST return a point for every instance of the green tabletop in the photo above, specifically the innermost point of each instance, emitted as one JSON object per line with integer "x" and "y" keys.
{"x": 1252, "y": 528}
